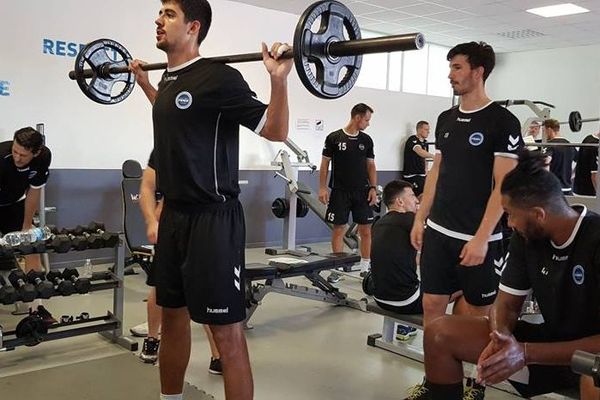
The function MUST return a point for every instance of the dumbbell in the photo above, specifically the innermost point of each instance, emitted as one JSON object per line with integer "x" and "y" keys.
{"x": 64, "y": 287}
{"x": 59, "y": 243}
{"x": 82, "y": 285}
{"x": 110, "y": 239}
{"x": 26, "y": 290}
{"x": 30, "y": 248}
{"x": 44, "y": 288}
{"x": 8, "y": 294}
{"x": 93, "y": 240}
{"x": 6, "y": 251}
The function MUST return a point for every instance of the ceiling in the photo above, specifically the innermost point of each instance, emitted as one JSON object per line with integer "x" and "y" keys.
{"x": 503, "y": 24}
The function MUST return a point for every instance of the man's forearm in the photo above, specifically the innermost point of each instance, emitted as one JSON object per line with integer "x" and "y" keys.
{"x": 428, "y": 195}
{"x": 277, "y": 125}
{"x": 503, "y": 318}
{"x": 492, "y": 215}
{"x": 372, "y": 171}
{"x": 148, "y": 207}
{"x": 559, "y": 353}
{"x": 32, "y": 203}
{"x": 150, "y": 92}
{"x": 323, "y": 175}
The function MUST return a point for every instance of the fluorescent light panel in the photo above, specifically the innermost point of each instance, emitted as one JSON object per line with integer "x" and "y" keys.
{"x": 558, "y": 10}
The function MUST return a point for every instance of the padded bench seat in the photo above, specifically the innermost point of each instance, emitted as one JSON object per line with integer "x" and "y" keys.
{"x": 309, "y": 264}
{"x": 414, "y": 320}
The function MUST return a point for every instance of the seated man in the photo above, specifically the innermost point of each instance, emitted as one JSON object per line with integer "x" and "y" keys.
{"x": 554, "y": 254}
{"x": 24, "y": 170}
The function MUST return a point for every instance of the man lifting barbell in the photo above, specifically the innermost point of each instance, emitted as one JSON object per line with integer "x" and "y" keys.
{"x": 199, "y": 261}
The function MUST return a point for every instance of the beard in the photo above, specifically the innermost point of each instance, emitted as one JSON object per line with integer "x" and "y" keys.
{"x": 533, "y": 232}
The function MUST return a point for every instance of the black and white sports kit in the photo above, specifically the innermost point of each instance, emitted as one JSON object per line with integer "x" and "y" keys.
{"x": 393, "y": 264}
{"x": 349, "y": 181}
{"x": 565, "y": 280}
{"x": 561, "y": 164}
{"x": 15, "y": 182}
{"x": 468, "y": 143}
{"x": 587, "y": 162}
{"x": 199, "y": 259}
{"x": 414, "y": 165}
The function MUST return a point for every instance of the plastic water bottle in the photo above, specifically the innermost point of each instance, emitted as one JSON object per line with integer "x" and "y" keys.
{"x": 87, "y": 269}
{"x": 28, "y": 236}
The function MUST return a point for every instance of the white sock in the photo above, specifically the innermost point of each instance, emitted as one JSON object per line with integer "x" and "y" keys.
{"x": 365, "y": 264}
{"x": 171, "y": 396}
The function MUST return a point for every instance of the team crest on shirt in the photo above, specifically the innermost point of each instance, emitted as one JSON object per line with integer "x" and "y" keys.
{"x": 578, "y": 274}
{"x": 361, "y": 147}
{"x": 32, "y": 174}
{"x": 476, "y": 138}
{"x": 183, "y": 100}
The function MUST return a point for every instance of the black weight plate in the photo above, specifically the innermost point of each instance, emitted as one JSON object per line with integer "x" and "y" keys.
{"x": 311, "y": 48}
{"x": 575, "y": 121}
{"x": 97, "y": 56}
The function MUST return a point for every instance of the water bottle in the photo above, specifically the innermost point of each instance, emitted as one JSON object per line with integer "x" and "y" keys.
{"x": 28, "y": 236}
{"x": 87, "y": 269}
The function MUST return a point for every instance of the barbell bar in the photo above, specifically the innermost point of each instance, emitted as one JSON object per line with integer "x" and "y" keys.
{"x": 327, "y": 61}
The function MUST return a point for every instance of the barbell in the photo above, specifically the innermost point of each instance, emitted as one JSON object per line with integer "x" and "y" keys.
{"x": 327, "y": 61}
{"x": 575, "y": 121}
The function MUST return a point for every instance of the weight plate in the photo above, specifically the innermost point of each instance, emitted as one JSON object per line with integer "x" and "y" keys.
{"x": 312, "y": 49}
{"x": 99, "y": 56}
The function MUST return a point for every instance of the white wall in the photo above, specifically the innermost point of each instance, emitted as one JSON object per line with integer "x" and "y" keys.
{"x": 568, "y": 78}
{"x": 83, "y": 134}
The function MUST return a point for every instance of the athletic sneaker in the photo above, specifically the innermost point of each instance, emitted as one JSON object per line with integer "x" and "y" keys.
{"x": 215, "y": 366}
{"x": 140, "y": 330}
{"x": 149, "y": 352}
{"x": 473, "y": 390}
{"x": 44, "y": 315}
{"x": 418, "y": 392}
{"x": 404, "y": 332}
{"x": 334, "y": 277}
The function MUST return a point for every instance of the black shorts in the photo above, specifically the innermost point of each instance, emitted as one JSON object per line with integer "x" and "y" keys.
{"x": 416, "y": 307}
{"x": 418, "y": 183}
{"x": 11, "y": 217}
{"x": 441, "y": 272}
{"x": 341, "y": 202}
{"x": 542, "y": 378}
{"x": 199, "y": 262}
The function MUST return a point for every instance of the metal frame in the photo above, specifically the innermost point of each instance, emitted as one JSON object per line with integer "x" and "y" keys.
{"x": 110, "y": 326}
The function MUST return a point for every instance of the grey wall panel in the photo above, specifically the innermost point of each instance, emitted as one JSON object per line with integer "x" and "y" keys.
{"x": 84, "y": 195}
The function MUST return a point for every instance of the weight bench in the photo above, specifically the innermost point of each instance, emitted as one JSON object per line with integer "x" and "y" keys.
{"x": 279, "y": 269}
{"x": 413, "y": 349}
{"x": 134, "y": 225}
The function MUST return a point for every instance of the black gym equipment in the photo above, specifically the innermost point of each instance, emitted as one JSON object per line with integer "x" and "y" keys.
{"x": 45, "y": 289}
{"x": 8, "y": 294}
{"x": 81, "y": 285}
{"x": 63, "y": 286}
{"x": 31, "y": 328}
{"x": 576, "y": 121}
{"x": 281, "y": 208}
{"x": 584, "y": 363}
{"x": 335, "y": 60}
{"x": 59, "y": 243}
{"x": 25, "y": 289}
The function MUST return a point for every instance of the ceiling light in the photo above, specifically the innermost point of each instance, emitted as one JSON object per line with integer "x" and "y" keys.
{"x": 558, "y": 10}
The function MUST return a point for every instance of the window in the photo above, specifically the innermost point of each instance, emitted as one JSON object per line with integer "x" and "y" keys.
{"x": 373, "y": 72}
{"x": 437, "y": 73}
{"x": 414, "y": 72}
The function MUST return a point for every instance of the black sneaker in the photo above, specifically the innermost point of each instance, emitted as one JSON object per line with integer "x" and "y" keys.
{"x": 45, "y": 315}
{"x": 149, "y": 352}
{"x": 215, "y": 366}
{"x": 418, "y": 392}
{"x": 334, "y": 277}
{"x": 473, "y": 390}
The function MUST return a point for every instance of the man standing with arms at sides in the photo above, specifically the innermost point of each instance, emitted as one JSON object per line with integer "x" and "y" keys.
{"x": 561, "y": 158}
{"x": 353, "y": 182}
{"x": 476, "y": 146}
{"x": 587, "y": 167}
{"x": 416, "y": 153}
{"x": 199, "y": 263}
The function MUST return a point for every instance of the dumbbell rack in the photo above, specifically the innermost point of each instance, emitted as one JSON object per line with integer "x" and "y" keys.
{"x": 110, "y": 325}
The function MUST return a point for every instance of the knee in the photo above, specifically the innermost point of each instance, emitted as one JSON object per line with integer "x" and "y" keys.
{"x": 364, "y": 231}
{"x": 438, "y": 335}
{"x": 227, "y": 337}
{"x": 175, "y": 317}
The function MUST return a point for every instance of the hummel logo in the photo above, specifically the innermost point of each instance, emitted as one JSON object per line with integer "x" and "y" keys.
{"x": 498, "y": 263}
{"x": 170, "y": 78}
{"x": 557, "y": 258}
{"x": 463, "y": 119}
{"x": 237, "y": 271}
{"x": 513, "y": 140}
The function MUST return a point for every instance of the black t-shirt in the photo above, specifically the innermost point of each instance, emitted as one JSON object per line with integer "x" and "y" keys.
{"x": 565, "y": 280}
{"x": 349, "y": 155}
{"x": 414, "y": 164}
{"x": 587, "y": 162}
{"x": 393, "y": 262}
{"x": 152, "y": 164}
{"x": 197, "y": 112}
{"x": 14, "y": 182}
{"x": 468, "y": 143}
{"x": 561, "y": 164}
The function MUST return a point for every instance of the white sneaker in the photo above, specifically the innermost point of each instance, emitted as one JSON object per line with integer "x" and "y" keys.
{"x": 140, "y": 330}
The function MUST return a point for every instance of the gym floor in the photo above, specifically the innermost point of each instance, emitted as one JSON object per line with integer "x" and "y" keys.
{"x": 300, "y": 349}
